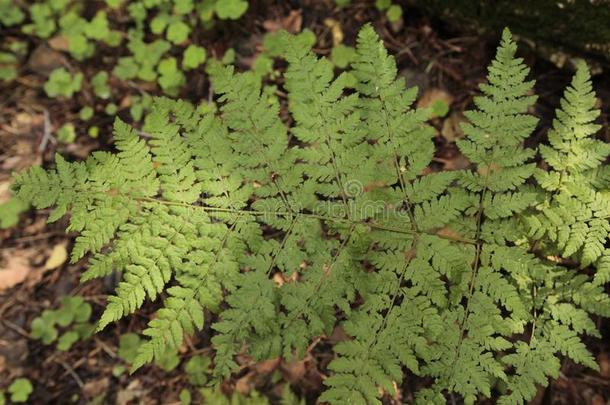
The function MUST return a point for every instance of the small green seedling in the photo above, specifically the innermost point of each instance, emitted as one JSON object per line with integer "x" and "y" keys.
{"x": 43, "y": 24}
{"x": 67, "y": 340}
{"x": 99, "y": 82}
{"x": 183, "y": 6}
{"x": 43, "y": 327}
{"x": 171, "y": 78}
{"x": 139, "y": 105}
{"x": 168, "y": 361}
{"x": 93, "y": 131}
{"x": 9, "y": 212}
{"x": 85, "y": 113}
{"x": 193, "y": 57}
{"x": 10, "y": 14}
{"x": 8, "y": 67}
{"x": 111, "y": 109}
{"x": 275, "y": 46}
{"x": 439, "y": 108}
{"x": 185, "y": 397}
{"x": 262, "y": 66}
{"x": 229, "y": 57}
{"x": 230, "y": 9}
{"x": 177, "y": 32}
{"x": 73, "y": 315}
{"x": 20, "y": 390}
{"x": 114, "y": 3}
{"x": 198, "y": 370}
{"x": 129, "y": 343}
{"x": 142, "y": 65}
{"x": 128, "y": 347}
{"x": 62, "y": 84}
{"x": 394, "y": 13}
{"x": 66, "y": 133}
{"x": 341, "y": 56}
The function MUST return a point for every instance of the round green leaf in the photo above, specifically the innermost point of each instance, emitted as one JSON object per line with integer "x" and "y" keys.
{"x": 193, "y": 57}
{"x": 66, "y": 134}
{"x": 128, "y": 347}
{"x": 231, "y": 9}
{"x": 394, "y": 13}
{"x": 66, "y": 340}
{"x": 178, "y": 32}
{"x": 383, "y": 4}
{"x": 86, "y": 113}
{"x": 20, "y": 390}
{"x": 341, "y": 55}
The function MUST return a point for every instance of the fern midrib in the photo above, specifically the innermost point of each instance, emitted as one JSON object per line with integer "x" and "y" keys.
{"x": 475, "y": 270}
{"x": 333, "y": 159}
{"x": 308, "y": 215}
{"x": 281, "y": 247}
{"x": 261, "y": 150}
{"x": 397, "y": 166}
{"x": 414, "y": 227}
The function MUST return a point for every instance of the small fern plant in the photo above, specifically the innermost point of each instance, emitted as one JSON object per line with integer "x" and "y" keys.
{"x": 280, "y": 228}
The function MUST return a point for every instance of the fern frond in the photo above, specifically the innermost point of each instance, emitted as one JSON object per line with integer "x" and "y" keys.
{"x": 289, "y": 227}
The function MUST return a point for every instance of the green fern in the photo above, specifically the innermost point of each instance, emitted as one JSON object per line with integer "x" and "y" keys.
{"x": 288, "y": 227}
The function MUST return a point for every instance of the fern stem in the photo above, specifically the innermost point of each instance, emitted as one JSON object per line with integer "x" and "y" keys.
{"x": 308, "y": 215}
{"x": 397, "y": 166}
{"x": 281, "y": 247}
{"x": 475, "y": 270}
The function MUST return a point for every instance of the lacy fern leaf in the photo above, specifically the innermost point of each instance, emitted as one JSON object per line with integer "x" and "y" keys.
{"x": 289, "y": 223}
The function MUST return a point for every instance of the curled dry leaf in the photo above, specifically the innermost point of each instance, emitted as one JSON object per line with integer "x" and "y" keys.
{"x": 291, "y": 23}
{"x": 335, "y": 29}
{"x": 58, "y": 256}
{"x": 434, "y": 97}
{"x": 603, "y": 359}
{"x": 452, "y": 129}
{"x": 15, "y": 270}
{"x": 5, "y": 192}
{"x": 257, "y": 374}
{"x": 132, "y": 394}
{"x": 59, "y": 43}
{"x": 44, "y": 60}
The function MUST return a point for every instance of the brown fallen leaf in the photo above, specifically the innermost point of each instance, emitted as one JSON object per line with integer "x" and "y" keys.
{"x": 433, "y": 96}
{"x": 291, "y": 23}
{"x": 58, "y": 256}
{"x": 266, "y": 367}
{"x": 598, "y": 400}
{"x": 335, "y": 29}
{"x": 294, "y": 371}
{"x": 59, "y": 43}
{"x": 303, "y": 373}
{"x": 604, "y": 364}
{"x": 5, "y": 191}
{"x": 417, "y": 78}
{"x": 44, "y": 60}
{"x": 455, "y": 162}
{"x": 257, "y": 374}
{"x": 14, "y": 271}
{"x": 338, "y": 335}
{"x": 448, "y": 233}
{"x": 95, "y": 387}
{"x": 452, "y": 129}
{"x": 133, "y": 391}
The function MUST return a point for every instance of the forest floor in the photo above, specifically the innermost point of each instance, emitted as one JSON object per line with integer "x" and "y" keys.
{"x": 445, "y": 62}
